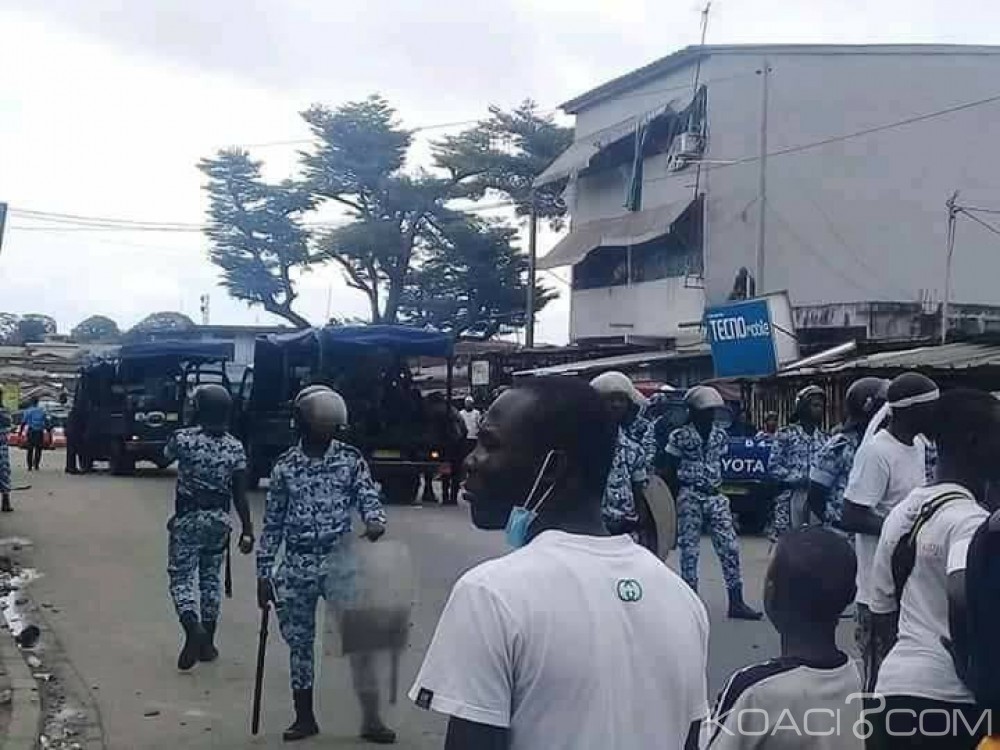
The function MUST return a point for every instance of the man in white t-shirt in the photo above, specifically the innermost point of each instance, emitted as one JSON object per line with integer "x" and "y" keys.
{"x": 918, "y": 679}
{"x": 577, "y": 640}
{"x": 471, "y": 417}
{"x": 887, "y": 467}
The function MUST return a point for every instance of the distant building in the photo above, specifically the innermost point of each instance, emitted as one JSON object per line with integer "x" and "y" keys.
{"x": 864, "y": 145}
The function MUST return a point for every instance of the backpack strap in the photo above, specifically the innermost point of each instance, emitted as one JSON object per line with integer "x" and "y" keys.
{"x": 904, "y": 556}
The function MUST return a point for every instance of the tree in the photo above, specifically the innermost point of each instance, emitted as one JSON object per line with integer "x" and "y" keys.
{"x": 34, "y": 327}
{"x": 504, "y": 154}
{"x": 96, "y": 328}
{"x": 257, "y": 239}
{"x": 474, "y": 282}
{"x": 358, "y": 163}
{"x": 8, "y": 329}
{"x": 163, "y": 321}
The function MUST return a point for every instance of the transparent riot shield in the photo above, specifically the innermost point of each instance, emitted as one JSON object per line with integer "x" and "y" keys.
{"x": 664, "y": 511}
{"x": 370, "y": 593}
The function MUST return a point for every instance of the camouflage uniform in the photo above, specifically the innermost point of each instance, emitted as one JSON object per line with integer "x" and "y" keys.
{"x": 792, "y": 454}
{"x": 699, "y": 474}
{"x": 641, "y": 431}
{"x": 308, "y": 510}
{"x": 831, "y": 467}
{"x": 930, "y": 462}
{"x": 199, "y": 529}
{"x": 629, "y": 466}
{"x": 5, "y": 427}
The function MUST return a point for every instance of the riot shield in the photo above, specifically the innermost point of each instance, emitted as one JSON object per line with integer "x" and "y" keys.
{"x": 664, "y": 511}
{"x": 370, "y": 593}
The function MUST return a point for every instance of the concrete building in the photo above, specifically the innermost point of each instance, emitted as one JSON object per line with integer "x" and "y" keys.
{"x": 864, "y": 144}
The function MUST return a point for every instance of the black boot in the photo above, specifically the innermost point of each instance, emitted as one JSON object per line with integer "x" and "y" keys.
{"x": 738, "y": 609}
{"x": 6, "y": 506}
{"x": 305, "y": 722}
{"x": 194, "y": 635}
{"x": 208, "y": 651}
{"x": 372, "y": 728}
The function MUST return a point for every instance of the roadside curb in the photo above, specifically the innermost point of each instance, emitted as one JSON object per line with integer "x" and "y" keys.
{"x": 25, "y": 707}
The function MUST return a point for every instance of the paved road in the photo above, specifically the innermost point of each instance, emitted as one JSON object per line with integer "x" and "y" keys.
{"x": 100, "y": 543}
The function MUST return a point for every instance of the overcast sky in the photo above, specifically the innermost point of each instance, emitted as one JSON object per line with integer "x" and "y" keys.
{"x": 106, "y": 106}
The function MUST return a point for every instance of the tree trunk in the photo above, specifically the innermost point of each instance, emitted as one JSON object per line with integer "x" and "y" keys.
{"x": 288, "y": 314}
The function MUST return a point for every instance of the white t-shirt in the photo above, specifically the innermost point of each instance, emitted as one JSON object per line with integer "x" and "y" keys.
{"x": 789, "y": 704}
{"x": 918, "y": 664}
{"x": 471, "y": 420}
{"x": 885, "y": 471}
{"x": 573, "y": 643}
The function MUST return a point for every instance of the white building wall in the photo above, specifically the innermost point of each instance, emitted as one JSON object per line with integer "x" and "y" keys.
{"x": 861, "y": 219}
{"x": 652, "y": 308}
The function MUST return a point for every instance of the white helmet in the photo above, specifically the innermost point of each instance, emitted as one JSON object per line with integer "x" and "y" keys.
{"x": 322, "y": 408}
{"x": 703, "y": 397}
{"x": 618, "y": 382}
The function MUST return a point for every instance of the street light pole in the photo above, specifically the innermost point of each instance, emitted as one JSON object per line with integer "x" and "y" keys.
{"x": 952, "y": 215}
{"x": 762, "y": 181}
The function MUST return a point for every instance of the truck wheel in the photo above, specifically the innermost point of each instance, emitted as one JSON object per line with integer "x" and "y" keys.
{"x": 121, "y": 464}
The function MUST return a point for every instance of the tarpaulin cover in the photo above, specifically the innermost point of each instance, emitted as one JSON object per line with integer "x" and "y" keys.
{"x": 404, "y": 340}
{"x": 185, "y": 350}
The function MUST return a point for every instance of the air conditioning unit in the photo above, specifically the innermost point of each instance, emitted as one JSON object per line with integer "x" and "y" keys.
{"x": 686, "y": 148}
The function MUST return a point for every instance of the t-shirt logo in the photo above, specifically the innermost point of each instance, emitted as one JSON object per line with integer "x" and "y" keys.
{"x": 629, "y": 590}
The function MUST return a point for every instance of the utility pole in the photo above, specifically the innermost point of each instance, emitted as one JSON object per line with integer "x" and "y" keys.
{"x": 529, "y": 333}
{"x": 762, "y": 180}
{"x": 953, "y": 210}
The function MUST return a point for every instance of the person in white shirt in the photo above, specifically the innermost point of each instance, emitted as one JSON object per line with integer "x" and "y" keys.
{"x": 931, "y": 706}
{"x": 577, "y": 640}
{"x": 471, "y": 417}
{"x": 887, "y": 467}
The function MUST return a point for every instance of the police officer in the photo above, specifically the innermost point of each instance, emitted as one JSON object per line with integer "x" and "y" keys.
{"x": 832, "y": 463}
{"x": 314, "y": 487}
{"x": 792, "y": 453}
{"x": 211, "y": 473}
{"x": 626, "y": 405}
{"x": 693, "y": 469}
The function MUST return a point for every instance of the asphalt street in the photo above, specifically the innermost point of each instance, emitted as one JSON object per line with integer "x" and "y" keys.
{"x": 100, "y": 544}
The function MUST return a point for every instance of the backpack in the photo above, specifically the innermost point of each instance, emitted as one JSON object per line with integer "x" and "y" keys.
{"x": 904, "y": 556}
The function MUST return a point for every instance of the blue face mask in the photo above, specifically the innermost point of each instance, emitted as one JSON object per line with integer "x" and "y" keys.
{"x": 522, "y": 516}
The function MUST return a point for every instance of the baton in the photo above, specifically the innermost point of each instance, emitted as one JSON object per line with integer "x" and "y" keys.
{"x": 229, "y": 570}
{"x": 259, "y": 677}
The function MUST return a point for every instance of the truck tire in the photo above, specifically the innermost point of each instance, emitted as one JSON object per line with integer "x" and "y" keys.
{"x": 120, "y": 462}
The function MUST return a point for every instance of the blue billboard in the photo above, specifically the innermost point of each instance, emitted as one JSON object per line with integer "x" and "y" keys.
{"x": 742, "y": 339}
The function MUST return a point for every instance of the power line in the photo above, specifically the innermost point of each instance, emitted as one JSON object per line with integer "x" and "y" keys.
{"x": 979, "y": 221}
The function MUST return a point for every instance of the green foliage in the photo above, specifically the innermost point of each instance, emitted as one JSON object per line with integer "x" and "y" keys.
{"x": 96, "y": 328}
{"x": 34, "y": 327}
{"x": 159, "y": 322}
{"x": 8, "y": 329}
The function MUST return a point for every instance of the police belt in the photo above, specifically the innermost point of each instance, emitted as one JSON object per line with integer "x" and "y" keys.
{"x": 200, "y": 501}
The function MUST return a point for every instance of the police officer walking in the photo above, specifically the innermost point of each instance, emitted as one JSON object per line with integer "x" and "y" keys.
{"x": 314, "y": 487}
{"x": 693, "y": 469}
{"x": 792, "y": 453}
{"x": 211, "y": 469}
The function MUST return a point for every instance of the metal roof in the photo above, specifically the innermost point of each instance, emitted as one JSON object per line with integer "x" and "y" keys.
{"x": 622, "y": 360}
{"x": 690, "y": 55}
{"x": 957, "y": 356}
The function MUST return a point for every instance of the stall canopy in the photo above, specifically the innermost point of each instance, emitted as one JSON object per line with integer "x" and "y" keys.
{"x": 403, "y": 340}
{"x": 633, "y": 228}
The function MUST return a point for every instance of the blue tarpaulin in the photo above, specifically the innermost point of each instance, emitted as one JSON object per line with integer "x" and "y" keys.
{"x": 181, "y": 350}
{"x": 403, "y": 340}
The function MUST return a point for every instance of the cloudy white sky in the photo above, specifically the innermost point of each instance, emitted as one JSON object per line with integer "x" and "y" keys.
{"x": 106, "y": 106}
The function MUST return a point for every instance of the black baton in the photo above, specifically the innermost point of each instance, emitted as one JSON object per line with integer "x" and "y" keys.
{"x": 259, "y": 677}
{"x": 229, "y": 571}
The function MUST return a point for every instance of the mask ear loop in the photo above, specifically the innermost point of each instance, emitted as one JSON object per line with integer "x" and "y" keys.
{"x": 538, "y": 481}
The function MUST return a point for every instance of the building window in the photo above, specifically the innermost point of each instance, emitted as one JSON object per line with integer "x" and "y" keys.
{"x": 676, "y": 254}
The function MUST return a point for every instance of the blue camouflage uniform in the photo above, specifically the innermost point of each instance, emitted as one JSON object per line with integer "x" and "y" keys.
{"x": 308, "y": 511}
{"x": 5, "y": 427}
{"x": 641, "y": 431}
{"x": 930, "y": 462}
{"x": 199, "y": 529}
{"x": 831, "y": 468}
{"x": 792, "y": 453}
{"x": 629, "y": 466}
{"x": 699, "y": 476}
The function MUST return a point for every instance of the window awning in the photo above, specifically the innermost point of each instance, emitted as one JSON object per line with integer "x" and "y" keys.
{"x": 633, "y": 228}
{"x": 578, "y": 156}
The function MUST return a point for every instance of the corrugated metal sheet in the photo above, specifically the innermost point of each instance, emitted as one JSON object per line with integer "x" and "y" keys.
{"x": 958, "y": 356}
{"x": 610, "y": 363}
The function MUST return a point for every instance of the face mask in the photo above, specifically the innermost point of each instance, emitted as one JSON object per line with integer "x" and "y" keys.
{"x": 522, "y": 516}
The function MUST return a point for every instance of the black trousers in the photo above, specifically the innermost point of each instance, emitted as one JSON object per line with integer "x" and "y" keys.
{"x": 36, "y": 439}
{"x": 910, "y": 723}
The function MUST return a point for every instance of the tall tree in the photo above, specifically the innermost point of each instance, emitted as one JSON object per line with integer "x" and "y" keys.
{"x": 8, "y": 329}
{"x": 473, "y": 281}
{"x": 34, "y": 327}
{"x": 257, "y": 238}
{"x": 358, "y": 163}
{"x": 503, "y": 154}
{"x": 96, "y": 328}
{"x": 163, "y": 321}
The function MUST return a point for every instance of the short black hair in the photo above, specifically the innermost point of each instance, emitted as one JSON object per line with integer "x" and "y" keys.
{"x": 570, "y": 416}
{"x": 813, "y": 573}
{"x": 960, "y": 413}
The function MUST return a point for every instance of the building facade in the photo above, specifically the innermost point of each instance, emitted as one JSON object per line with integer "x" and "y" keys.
{"x": 864, "y": 144}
